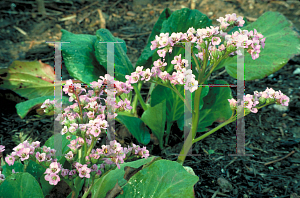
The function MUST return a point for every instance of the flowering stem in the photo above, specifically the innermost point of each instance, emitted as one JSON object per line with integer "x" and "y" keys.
{"x": 79, "y": 106}
{"x": 91, "y": 147}
{"x": 180, "y": 96}
{"x": 89, "y": 189}
{"x": 138, "y": 95}
{"x": 195, "y": 119}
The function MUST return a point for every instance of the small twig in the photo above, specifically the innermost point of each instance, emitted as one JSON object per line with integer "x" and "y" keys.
{"x": 257, "y": 149}
{"x": 68, "y": 18}
{"x": 115, "y": 4}
{"x": 20, "y": 30}
{"x": 280, "y": 158}
{"x": 86, "y": 16}
{"x": 94, "y": 3}
{"x": 230, "y": 162}
{"x": 102, "y": 19}
{"x": 133, "y": 35}
{"x": 251, "y": 19}
{"x": 217, "y": 191}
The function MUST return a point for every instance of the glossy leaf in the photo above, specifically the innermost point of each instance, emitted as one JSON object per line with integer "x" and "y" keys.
{"x": 215, "y": 108}
{"x": 23, "y": 108}
{"x": 20, "y": 185}
{"x": 155, "y": 118}
{"x": 108, "y": 181}
{"x": 147, "y": 53}
{"x": 161, "y": 179}
{"x": 281, "y": 44}
{"x": 79, "y": 56}
{"x": 122, "y": 63}
{"x": 136, "y": 127}
{"x": 30, "y": 79}
{"x": 175, "y": 106}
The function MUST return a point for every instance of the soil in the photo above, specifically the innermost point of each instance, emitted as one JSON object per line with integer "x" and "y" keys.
{"x": 272, "y": 134}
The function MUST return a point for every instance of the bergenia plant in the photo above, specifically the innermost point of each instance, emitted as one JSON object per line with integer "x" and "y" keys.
{"x": 165, "y": 63}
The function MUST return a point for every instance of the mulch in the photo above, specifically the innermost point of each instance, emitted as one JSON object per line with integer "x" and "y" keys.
{"x": 272, "y": 134}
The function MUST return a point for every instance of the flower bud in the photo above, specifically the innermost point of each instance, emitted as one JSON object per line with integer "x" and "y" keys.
{"x": 262, "y": 100}
{"x": 93, "y": 160}
{"x": 202, "y": 45}
{"x": 231, "y": 48}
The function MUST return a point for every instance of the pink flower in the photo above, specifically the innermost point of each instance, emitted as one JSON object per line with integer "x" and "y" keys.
{"x": 2, "y": 148}
{"x": 40, "y": 156}
{"x": 144, "y": 153}
{"x": 69, "y": 155}
{"x": 84, "y": 171}
{"x": 64, "y": 172}
{"x": 10, "y": 160}
{"x": 215, "y": 40}
{"x": 53, "y": 168}
{"x": 52, "y": 178}
{"x": 23, "y": 153}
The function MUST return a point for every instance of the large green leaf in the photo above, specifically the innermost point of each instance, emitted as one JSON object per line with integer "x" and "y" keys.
{"x": 7, "y": 170}
{"x": 161, "y": 179}
{"x": 215, "y": 109}
{"x": 155, "y": 118}
{"x": 144, "y": 59}
{"x": 175, "y": 106}
{"x": 23, "y": 108}
{"x": 136, "y": 127}
{"x": 182, "y": 20}
{"x": 281, "y": 44}
{"x": 30, "y": 79}
{"x": 35, "y": 170}
{"x": 79, "y": 56}
{"x": 105, "y": 183}
{"x": 20, "y": 185}
{"x": 122, "y": 63}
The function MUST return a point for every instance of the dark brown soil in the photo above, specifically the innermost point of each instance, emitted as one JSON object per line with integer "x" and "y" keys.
{"x": 270, "y": 134}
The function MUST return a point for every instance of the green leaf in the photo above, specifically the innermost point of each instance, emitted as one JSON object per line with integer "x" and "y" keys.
{"x": 175, "y": 106}
{"x": 155, "y": 118}
{"x": 191, "y": 18}
{"x": 144, "y": 59}
{"x": 122, "y": 63}
{"x": 30, "y": 79}
{"x": 7, "y": 170}
{"x": 161, "y": 179}
{"x": 282, "y": 43}
{"x": 215, "y": 109}
{"x": 136, "y": 127}
{"x": 20, "y": 185}
{"x": 106, "y": 182}
{"x": 79, "y": 57}
{"x": 35, "y": 170}
{"x": 64, "y": 146}
{"x": 23, "y": 108}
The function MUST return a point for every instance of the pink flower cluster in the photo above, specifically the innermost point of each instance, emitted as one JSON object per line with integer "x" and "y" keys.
{"x": 206, "y": 37}
{"x": 24, "y": 150}
{"x": 268, "y": 96}
{"x": 92, "y": 111}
